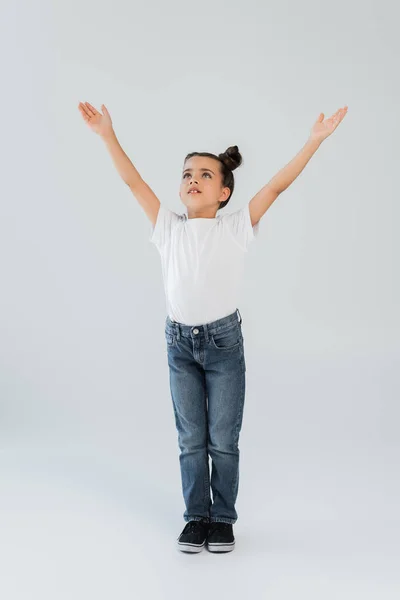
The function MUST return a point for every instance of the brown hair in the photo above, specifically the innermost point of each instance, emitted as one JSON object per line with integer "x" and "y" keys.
{"x": 230, "y": 160}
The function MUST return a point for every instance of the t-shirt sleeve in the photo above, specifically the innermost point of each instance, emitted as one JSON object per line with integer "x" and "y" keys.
{"x": 240, "y": 225}
{"x": 161, "y": 232}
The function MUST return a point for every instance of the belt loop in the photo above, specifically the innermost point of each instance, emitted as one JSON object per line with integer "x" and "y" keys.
{"x": 240, "y": 316}
{"x": 175, "y": 327}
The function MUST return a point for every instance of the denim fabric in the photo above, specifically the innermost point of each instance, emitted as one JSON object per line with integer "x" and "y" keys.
{"x": 207, "y": 382}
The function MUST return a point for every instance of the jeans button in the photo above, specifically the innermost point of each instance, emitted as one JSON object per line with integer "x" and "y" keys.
{"x": 195, "y": 331}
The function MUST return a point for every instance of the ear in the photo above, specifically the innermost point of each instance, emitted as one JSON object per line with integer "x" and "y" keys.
{"x": 227, "y": 193}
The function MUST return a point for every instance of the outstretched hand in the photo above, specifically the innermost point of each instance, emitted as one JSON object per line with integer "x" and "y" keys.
{"x": 97, "y": 122}
{"x": 322, "y": 129}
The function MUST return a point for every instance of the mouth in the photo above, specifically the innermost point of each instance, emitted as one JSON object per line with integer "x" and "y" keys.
{"x": 194, "y": 192}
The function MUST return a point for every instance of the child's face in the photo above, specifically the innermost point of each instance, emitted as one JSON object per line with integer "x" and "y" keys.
{"x": 209, "y": 182}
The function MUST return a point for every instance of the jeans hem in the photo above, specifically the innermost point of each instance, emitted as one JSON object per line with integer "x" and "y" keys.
{"x": 222, "y": 520}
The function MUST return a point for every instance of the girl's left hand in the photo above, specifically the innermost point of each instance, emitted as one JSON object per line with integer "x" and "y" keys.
{"x": 322, "y": 129}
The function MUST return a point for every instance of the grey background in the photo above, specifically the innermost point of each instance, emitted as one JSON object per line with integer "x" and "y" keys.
{"x": 90, "y": 496}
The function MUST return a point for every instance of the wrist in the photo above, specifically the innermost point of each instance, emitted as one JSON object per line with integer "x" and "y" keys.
{"x": 313, "y": 143}
{"x": 108, "y": 135}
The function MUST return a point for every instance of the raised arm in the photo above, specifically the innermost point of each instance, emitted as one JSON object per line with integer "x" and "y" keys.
{"x": 278, "y": 184}
{"x": 101, "y": 124}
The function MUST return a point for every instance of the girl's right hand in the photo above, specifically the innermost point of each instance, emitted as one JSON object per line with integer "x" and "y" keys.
{"x": 97, "y": 122}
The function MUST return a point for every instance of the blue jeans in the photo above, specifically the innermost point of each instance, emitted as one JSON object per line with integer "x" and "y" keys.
{"x": 207, "y": 381}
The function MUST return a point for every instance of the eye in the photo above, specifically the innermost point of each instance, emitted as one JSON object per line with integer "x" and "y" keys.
{"x": 205, "y": 173}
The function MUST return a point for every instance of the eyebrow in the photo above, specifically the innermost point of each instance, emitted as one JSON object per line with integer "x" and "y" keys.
{"x": 200, "y": 170}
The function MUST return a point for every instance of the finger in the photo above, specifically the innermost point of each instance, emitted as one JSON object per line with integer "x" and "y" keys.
{"x": 91, "y": 108}
{"x": 83, "y": 111}
{"x": 96, "y": 112}
{"x": 338, "y": 119}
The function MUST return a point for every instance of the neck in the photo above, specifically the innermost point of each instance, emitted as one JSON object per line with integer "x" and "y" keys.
{"x": 201, "y": 214}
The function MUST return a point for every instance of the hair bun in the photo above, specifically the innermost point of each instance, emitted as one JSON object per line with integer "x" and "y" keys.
{"x": 231, "y": 157}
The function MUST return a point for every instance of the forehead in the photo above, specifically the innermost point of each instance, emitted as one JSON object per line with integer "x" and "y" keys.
{"x": 201, "y": 163}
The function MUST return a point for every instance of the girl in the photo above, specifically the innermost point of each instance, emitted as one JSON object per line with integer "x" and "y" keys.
{"x": 202, "y": 256}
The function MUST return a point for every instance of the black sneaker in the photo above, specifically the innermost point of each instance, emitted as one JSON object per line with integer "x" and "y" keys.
{"x": 220, "y": 537}
{"x": 193, "y": 536}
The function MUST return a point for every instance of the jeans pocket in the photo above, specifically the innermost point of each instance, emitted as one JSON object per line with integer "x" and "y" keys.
{"x": 227, "y": 339}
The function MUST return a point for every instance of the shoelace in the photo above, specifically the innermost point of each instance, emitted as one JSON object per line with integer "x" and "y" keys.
{"x": 218, "y": 526}
{"x": 193, "y": 525}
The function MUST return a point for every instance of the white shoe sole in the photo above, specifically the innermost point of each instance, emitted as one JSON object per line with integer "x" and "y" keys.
{"x": 221, "y": 547}
{"x": 185, "y": 547}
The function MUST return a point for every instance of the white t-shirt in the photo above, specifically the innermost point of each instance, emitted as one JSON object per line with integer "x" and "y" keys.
{"x": 202, "y": 262}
